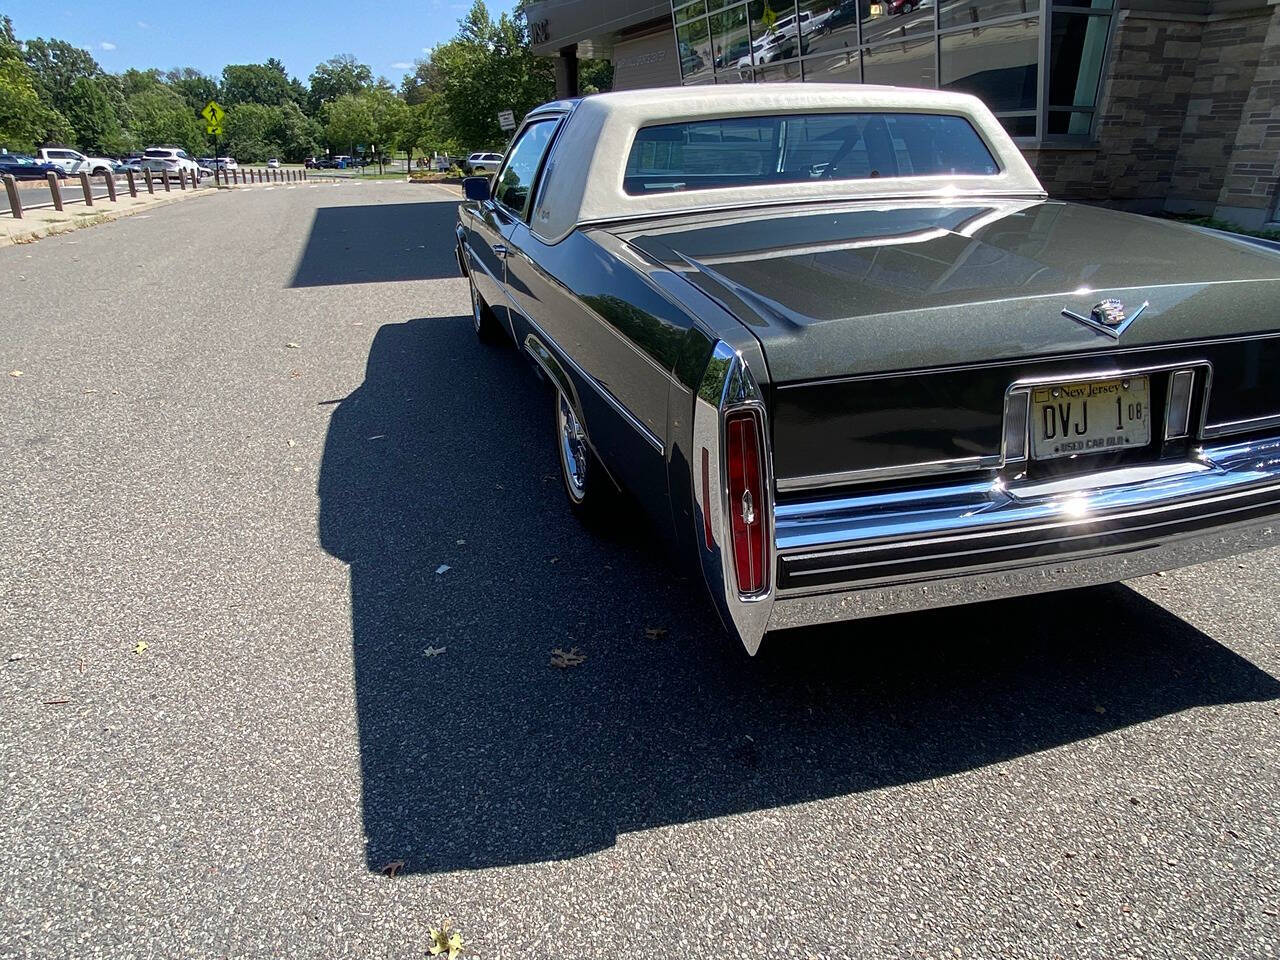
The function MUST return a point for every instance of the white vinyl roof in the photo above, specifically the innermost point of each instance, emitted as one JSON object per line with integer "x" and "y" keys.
{"x": 584, "y": 179}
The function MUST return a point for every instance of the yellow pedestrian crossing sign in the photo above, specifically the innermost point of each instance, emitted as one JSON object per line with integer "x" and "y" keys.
{"x": 213, "y": 114}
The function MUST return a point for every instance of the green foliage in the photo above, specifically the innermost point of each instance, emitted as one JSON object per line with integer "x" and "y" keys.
{"x": 56, "y": 66}
{"x": 258, "y": 83}
{"x": 24, "y": 120}
{"x": 195, "y": 88}
{"x": 595, "y": 76}
{"x": 337, "y": 77}
{"x": 486, "y": 68}
{"x": 348, "y": 121}
{"x": 160, "y": 117}
{"x": 88, "y": 107}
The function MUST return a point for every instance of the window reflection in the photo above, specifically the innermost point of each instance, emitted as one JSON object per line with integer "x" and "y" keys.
{"x": 730, "y": 38}
{"x": 1077, "y": 44}
{"x": 841, "y": 68}
{"x": 900, "y": 64}
{"x": 890, "y": 19}
{"x": 958, "y": 13}
{"x": 998, "y": 64}
{"x": 832, "y": 24}
{"x": 694, "y": 42}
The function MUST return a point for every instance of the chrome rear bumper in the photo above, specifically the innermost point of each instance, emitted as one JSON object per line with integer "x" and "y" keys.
{"x": 863, "y": 556}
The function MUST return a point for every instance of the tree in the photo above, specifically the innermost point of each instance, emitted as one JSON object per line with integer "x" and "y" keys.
{"x": 97, "y": 125}
{"x": 336, "y": 77}
{"x": 56, "y": 65}
{"x": 255, "y": 83}
{"x": 390, "y": 118}
{"x": 297, "y": 134}
{"x": 349, "y": 121}
{"x": 159, "y": 116}
{"x": 195, "y": 88}
{"x": 595, "y": 76}
{"x": 250, "y": 132}
{"x": 24, "y": 119}
{"x": 486, "y": 68}
{"x": 427, "y": 128}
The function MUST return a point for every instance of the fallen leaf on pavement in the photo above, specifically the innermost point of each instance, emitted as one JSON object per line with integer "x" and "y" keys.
{"x": 433, "y": 651}
{"x": 291, "y": 345}
{"x": 653, "y": 633}
{"x": 15, "y": 373}
{"x": 570, "y": 658}
{"x": 292, "y": 442}
{"x": 142, "y": 645}
{"x": 442, "y": 941}
{"x": 392, "y": 868}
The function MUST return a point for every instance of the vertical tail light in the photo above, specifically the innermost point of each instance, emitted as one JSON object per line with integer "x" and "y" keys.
{"x": 747, "y": 521}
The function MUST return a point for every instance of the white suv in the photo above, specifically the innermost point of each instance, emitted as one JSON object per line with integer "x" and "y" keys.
{"x": 160, "y": 159}
{"x": 482, "y": 163}
{"x": 73, "y": 161}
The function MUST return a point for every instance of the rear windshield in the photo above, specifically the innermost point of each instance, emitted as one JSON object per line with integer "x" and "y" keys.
{"x": 742, "y": 151}
{"x": 157, "y": 153}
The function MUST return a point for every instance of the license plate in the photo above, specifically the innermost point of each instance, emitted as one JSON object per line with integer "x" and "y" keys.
{"x": 1093, "y": 416}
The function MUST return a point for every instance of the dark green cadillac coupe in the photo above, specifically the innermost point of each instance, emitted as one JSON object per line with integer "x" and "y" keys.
{"x": 840, "y": 345}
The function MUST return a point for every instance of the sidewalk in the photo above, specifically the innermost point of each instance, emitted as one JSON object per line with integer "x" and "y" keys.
{"x": 47, "y": 222}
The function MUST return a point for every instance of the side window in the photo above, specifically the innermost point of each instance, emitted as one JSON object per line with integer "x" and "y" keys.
{"x": 515, "y": 181}
{"x": 183, "y": 155}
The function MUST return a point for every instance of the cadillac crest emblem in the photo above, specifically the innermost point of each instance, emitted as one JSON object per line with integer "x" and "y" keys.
{"x": 1108, "y": 316}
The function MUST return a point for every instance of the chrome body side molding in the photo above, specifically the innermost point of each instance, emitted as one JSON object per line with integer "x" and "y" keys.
{"x": 548, "y": 354}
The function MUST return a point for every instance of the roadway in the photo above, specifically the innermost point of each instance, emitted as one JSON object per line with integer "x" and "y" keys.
{"x": 285, "y": 562}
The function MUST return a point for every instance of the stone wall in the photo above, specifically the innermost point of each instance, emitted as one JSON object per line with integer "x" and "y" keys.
{"x": 1248, "y": 194}
{"x": 1189, "y": 119}
{"x": 1228, "y": 60}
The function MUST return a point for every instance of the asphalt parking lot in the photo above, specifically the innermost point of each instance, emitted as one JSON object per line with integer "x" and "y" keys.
{"x": 285, "y": 562}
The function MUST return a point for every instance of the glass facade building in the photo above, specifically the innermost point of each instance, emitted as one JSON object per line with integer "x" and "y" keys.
{"x": 1036, "y": 63}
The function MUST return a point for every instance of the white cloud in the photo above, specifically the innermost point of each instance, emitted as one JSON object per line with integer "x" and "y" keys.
{"x": 426, "y": 49}
{"x": 402, "y": 65}
{"x": 107, "y": 46}
{"x": 143, "y": 25}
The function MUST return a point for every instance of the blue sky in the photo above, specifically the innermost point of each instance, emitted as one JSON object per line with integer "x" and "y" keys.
{"x": 386, "y": 35}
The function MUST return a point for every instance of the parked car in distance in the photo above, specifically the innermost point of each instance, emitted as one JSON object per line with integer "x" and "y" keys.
{"x": 846, "y": 354}
{"x": 172, "y": 160}
{"x": 73, "y": 161}
{"x": 128, "y": 164}
{"x": 481, "y": 162}
{"x": 227, "y": 163}
{"x": 21, "y": 166}
{"x": 274, "y": 162}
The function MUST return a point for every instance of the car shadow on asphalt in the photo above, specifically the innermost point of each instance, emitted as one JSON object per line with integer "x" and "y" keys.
{"x": 439, "y": 488}
{"x": 378, "y": 243}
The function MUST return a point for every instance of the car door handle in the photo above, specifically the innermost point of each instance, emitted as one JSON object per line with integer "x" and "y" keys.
{"x": 499, "y": 249}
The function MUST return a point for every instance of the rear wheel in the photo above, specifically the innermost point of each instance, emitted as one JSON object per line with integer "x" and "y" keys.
{"x": 482, "y": 318}
{"x": 589, "y": 489}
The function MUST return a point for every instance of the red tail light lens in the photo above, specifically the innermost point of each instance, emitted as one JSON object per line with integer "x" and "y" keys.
{"x": 747, "y": 520}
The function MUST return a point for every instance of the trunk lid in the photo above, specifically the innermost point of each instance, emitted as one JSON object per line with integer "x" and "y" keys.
{"x": 855, "y": 289}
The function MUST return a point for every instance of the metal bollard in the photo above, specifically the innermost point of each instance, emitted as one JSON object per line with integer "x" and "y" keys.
{"x": 110, "y": 178}
{"x": 133, "y": 184}
{"x": 235, "y": 174}
{"x": 151, "y": 184}
{"x": 182, "y": 179}
{"x": 164, "y": 175}
{"x": 15, "y": 201}
{"x": 55, "y": 190}
{"x": 88, "y": 190}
